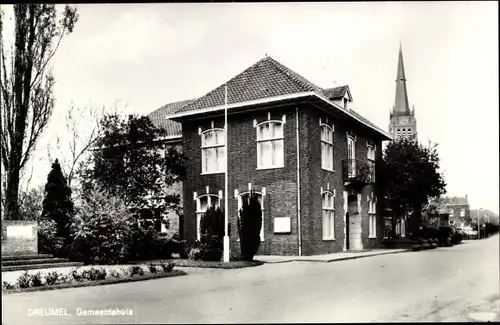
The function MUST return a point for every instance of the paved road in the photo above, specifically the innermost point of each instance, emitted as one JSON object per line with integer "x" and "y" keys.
{"x": 446, "y": 284}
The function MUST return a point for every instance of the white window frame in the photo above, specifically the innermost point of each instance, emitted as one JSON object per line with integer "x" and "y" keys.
{"x": 272, "y": 140}
{"x": 371, "y": 158}
{"x": 329, "y": 211}
{"x": 200, "y": 212}
{"x": 327, "y": 157}
{"x": 462, "y": 213}
{"x": 372, "y": 214}
{"x": 240, "y": 205}
{"x": 221, "y": 166}
{"x": 351, "y": 155}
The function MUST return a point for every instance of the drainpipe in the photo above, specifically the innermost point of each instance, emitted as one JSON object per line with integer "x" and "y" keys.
{"x": 298, "y": 177}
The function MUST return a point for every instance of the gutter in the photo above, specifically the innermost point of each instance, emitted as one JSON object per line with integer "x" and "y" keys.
{"x": 241, "y": 104}
{"x": 298, "y": 178}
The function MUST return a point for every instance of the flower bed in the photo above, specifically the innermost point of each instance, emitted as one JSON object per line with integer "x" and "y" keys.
{"x": 82, "y": 276}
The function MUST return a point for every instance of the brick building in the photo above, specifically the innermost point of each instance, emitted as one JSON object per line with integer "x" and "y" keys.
{"x": 458, "y": 211}
{"x": 310, "y": 158}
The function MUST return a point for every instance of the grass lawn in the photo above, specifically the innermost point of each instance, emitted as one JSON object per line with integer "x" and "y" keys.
{"x": 207, "y": 264}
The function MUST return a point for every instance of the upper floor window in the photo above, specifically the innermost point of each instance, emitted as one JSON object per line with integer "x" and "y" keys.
{"x": 462, "y": 212}
{"x": 326, "y": 147}
{"x": 213, "y": 151}
{"x": 371, "y": 160}
{"x": 270, "y": 153}
{"x": 246, "y": 196}
{"x": 203, "y": 202}
{"x": 328, "y": 207}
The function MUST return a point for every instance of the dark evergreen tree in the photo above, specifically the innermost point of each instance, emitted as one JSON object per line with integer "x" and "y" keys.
{"x": 249, "y": 225}
{"x": 212, "y": 234}
{"x": 57, "y": 204}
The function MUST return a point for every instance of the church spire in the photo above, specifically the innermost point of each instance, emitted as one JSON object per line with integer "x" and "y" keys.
{"x": 401, "y": 103}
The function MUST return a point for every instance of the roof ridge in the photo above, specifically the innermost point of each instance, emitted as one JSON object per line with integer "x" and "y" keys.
{"x": 294, "y": 76}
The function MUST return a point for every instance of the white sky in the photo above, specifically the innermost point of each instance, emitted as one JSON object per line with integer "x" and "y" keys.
{"x": 145, "y": 55}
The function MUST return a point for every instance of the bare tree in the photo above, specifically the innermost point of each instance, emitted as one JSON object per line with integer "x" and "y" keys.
{"x": 82, "y": 130}
{"x": 26, "y": 87}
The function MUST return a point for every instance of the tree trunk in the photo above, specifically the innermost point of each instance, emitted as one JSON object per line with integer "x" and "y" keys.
{"x": 12, "y": 195}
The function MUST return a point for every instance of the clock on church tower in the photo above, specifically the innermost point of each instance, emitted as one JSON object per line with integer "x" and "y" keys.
{"x": 405, "y": 120}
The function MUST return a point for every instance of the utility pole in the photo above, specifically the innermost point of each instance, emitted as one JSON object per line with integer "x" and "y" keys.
{"x": 478, "y": 227}
{"x": 226, "y": 197}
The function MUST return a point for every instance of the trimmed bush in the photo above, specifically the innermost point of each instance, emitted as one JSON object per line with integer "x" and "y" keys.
{"x": 24, "y": 280}
{"x": 36, "y": 279}
{"x": 152, "y": 268}
{"x": 167, "y": 267}
{"x": 51, "y": 278}
{"x": 135, "y": 269}
{"x": 249, "y": 225}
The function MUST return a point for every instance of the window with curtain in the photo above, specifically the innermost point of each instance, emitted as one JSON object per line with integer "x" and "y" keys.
{"x": 270, "y": 153}
{"x": 328, "y": 208}
{"x": 326, "y": 147}
{"x": 213, "y": 151}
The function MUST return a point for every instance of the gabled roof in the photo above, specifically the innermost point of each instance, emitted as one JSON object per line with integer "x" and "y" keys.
{"x": 456, "y": 200}
{"x": 265, "y": 81}
{"x": 266, "y": 78}
{"x": 157, "y": 117}
{"x": 338, "y": 92}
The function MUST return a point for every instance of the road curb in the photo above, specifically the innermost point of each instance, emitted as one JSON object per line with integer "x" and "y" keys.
{"x": 332, "y": 260}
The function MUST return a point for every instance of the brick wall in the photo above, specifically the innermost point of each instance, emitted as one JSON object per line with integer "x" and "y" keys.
{"x": 280, "y": 183}
{"x": 313, "y": 178}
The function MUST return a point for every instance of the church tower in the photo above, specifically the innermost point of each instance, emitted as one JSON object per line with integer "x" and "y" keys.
{"x": 403, "y": 123}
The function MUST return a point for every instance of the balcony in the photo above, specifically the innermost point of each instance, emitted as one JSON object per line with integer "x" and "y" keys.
{"x": 356, "y": 171}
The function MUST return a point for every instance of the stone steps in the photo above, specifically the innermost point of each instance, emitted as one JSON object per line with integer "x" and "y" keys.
{"x": 34, "y": 261}
{"x": 25, "y": 257}
{"x": 21, "y": 262}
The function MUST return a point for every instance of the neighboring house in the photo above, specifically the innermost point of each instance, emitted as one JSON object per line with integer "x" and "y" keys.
{"x": 173, "y": 139}
{"x": 458, "y": 211}
{"x": 309, "y": 157}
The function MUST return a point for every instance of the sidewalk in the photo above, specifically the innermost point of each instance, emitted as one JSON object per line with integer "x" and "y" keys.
{"x": 327, "y": 258}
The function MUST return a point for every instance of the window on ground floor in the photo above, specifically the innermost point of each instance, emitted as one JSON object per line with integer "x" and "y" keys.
{"x": 245, "y": 196}
{"x": 203, "y": 202}
{"x": 372, "y": 215}
{"x": 328, "y": 215}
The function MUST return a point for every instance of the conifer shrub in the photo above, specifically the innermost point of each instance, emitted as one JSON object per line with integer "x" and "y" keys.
{"x": 249, "y": 226}
{"x": 212, "y": 234}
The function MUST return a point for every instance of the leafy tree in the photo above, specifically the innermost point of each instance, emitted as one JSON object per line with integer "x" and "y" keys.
{"x": 57, "y": 204}
{"x": 30, "y": 207}
{"x": 212, "y": 234}
{"x": 131, "y": 161}
{"x": 408, "y": 177}
{"x": 101, "y": 229}
{"x": 26, "y": 86}
{"x": 249, "y": 225}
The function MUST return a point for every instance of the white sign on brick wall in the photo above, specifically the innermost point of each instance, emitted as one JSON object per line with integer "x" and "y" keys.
{"x": 20, "y": 231}
{"x": 282, "y": 225}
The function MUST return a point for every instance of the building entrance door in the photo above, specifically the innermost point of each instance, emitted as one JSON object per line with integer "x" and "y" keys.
{"x": 354, "y": 224}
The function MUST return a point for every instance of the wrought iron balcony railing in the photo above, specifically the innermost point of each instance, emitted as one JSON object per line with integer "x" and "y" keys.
{"x": 359, "y": 171}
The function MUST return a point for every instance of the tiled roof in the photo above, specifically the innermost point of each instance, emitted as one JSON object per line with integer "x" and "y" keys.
{"x": 157, "y": 117}
{"x": 266, "y": 78}
{"x": 456, "y": 200}
{"x": 336, "y": 92}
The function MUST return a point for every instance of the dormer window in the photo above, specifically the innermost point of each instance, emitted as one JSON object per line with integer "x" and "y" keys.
{"x": 346, "y": 101}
